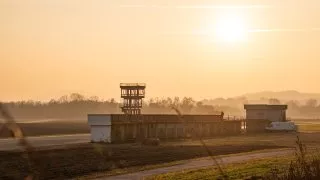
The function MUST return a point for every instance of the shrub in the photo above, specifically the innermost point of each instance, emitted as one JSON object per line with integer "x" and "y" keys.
{"x": 303, "y": 167}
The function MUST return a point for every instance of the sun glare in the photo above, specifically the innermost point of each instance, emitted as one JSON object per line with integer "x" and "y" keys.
{"x": 228, "y": 28}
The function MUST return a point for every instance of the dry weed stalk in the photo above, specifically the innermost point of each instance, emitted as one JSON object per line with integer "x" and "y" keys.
{"x": 17, "y": 133}
{"x": 215, "y": 162}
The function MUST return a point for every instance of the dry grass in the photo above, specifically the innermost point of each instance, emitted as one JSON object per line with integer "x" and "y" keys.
{"x": 71, "y": 162}
{"x": 245, "y": 170}
{"x": 49, "y": 128}
{"x": 303, "y": 165}
{"x": 77, "y": 160}
{"x": 275, "y": 139}
{"x": 309, "y": 127}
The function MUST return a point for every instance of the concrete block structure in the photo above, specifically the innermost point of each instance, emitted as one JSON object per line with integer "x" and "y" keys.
{"x": 258, "y": 116}
{"x": 100, "y": 128}
{"x": 117, "y": 128}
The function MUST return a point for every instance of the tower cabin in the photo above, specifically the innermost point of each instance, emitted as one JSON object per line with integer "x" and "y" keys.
{"x": 132, "y": 95}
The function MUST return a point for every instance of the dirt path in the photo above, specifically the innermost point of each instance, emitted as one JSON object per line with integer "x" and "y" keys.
{"x": 195, "y": 164}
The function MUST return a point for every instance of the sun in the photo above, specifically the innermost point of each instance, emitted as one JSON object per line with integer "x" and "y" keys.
{"x": 228, "y": 28}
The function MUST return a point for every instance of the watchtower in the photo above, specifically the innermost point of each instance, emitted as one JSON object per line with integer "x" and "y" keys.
{"x": 132, "y": 94}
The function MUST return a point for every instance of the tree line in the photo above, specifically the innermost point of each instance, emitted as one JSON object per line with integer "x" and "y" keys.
{"x": 77, "y": 106}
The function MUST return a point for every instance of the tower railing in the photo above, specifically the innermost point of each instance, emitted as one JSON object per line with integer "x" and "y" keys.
{"x": 133, "y": 84}
{"x": 132, "y": 94}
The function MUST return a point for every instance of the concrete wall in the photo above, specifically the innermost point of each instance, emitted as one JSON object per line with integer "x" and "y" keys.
{"x": 253, "y": 114}
{"x": 100, "y": 133}
{"x": 99, "y": 119}
{"x": 131, "y": 128}
{"x": 277, "y": 115}
{"x": 256, "y": 126}
{"x": 100, "y": 127}
{"x": 269, "y": 114}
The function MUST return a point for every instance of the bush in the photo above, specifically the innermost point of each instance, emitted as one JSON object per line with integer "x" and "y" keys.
{"x": 303, "y": 167}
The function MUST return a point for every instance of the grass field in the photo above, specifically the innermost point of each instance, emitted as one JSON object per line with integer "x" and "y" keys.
{"x": 291, "y": 166}
{"x": 90, "y": 160}
{"x": 234, "y": 171}
{"x": 40, "y": 128}
{"x": 311, "y": 125}
{"x": 255, "y": 168}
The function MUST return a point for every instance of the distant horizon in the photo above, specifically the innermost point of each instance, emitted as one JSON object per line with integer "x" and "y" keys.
{"x": 117, "y": 98}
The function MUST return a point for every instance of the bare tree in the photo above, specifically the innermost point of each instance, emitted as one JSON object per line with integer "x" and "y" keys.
{"x": 63, "y": 99}
{"x": 76, "y": 97}
{"x": 274, "y": 101}
{"x": 311, "y": 103}
{"x": 94, "y": 98}
{"x": 187, "y": 104}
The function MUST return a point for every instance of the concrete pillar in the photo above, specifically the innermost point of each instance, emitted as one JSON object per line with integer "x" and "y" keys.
{"x": 200, "y": 129}
{"x": 183, "y": 126}
{"x": 176, "y": 128}
{"x": 122, "y": 131}
{"x": 146, "y": 131}
{"x": 134, "y": 131}
{"x": 127, "y": 131}
{"x": 165, "y": 130}
{"x": 149, "y": 130}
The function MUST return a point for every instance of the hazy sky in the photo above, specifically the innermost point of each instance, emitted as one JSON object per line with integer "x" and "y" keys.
{"x": 53, "y": 47}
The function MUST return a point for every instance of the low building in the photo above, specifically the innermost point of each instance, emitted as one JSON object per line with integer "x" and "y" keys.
{"x": 100, "y": 128}
{"x": 114, "y": 128}
{"x": 258, "y": 116}
{"x": 266, "y": 112}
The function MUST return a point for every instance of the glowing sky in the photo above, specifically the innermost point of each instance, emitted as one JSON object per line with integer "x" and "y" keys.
{"x": 53, "y": 47}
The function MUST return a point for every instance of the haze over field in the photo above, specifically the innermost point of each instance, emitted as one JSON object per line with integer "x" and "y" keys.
{"x": 75, "y": 107}
{"x": 201, "y": 49}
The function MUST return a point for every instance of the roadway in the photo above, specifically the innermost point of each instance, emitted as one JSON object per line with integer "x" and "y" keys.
{"x": 43, "y": 141}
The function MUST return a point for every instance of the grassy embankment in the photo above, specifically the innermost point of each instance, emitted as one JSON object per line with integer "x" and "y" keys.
{"x": 302, "y": 164}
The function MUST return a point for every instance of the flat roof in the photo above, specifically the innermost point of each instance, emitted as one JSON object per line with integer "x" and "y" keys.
{"x": 173, "y": 114}
{"x": 132, "y": 84}
{"x": 266, "y": 106}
